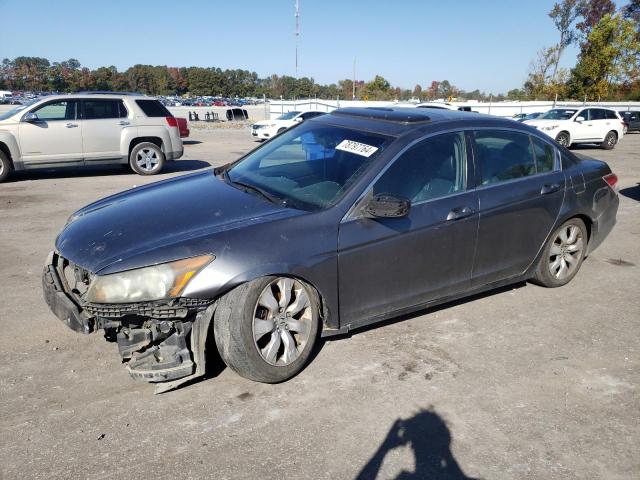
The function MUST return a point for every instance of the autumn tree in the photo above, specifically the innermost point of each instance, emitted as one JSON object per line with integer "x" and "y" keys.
{"x": 610, "y": 57}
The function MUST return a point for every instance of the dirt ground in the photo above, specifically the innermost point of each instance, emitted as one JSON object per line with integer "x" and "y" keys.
{"x": 521, "y": 383}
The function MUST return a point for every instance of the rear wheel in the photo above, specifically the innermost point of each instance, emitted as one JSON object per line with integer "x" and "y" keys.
{"x": 280, "y": 130}
{"x": 610, "y": 141}
{"x": 5, "y": 166}
{"x": 146, "y": 158}
{"x": 564, "y": 139}
{"x": 563, "y": 254}
{"x": 265, "y": 330}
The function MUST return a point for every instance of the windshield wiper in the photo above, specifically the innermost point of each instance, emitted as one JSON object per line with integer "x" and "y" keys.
{"x": 263, "y": 193}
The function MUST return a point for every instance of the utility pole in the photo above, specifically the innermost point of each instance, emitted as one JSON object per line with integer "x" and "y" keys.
{"x": 353, "y": 86}
{"x": 297, "y": 34}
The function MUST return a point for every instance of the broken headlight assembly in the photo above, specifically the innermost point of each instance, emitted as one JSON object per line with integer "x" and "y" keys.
{"x": 157, "y": 282}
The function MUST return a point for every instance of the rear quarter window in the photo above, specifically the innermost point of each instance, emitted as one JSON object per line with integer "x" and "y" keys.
{"x": 153, "y": 108}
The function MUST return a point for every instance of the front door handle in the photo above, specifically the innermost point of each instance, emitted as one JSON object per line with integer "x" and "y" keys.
{"x": 72, "y": 125}
{"x": 549, "y": 188}
{"x": 460, "y": 212}
{"x": 123, "y": 123}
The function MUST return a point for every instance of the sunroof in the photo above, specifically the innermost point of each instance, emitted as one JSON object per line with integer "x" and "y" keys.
{"x": 388, "y": 114}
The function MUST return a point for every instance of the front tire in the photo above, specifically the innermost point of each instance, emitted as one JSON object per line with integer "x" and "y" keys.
{"x": 146, "y": 158}
{"x": 563, "y": 255}
{"x": 564, "y": 139}
{"x": 6, "y": 167}
{"x": 609, "y": 141}
{"x": 265, "y": 330}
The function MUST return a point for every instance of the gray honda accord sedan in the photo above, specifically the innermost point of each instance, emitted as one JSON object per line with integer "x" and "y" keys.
{"x": 342, "y": 221}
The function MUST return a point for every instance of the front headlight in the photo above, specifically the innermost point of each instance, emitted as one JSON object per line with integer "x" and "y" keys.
{"x": 549, "y": 127}
{"x": 158, "y": 282}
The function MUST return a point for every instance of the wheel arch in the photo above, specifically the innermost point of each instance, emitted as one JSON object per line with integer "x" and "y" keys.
{"x": 138, "y": 140}
{"x": 205, "y": 289}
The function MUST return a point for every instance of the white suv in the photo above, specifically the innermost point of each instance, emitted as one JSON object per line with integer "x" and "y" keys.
{"x": 581, "y": 125}
{"x": 270, "y": 128}
{"x": 89, "y": 129}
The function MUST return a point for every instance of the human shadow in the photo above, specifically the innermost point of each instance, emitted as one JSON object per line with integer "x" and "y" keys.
{"x": 632, "y": 192}
{"x": 430, "y": 439}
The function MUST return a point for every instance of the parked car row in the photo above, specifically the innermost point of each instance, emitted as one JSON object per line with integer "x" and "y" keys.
{"x": 207, "y": 101}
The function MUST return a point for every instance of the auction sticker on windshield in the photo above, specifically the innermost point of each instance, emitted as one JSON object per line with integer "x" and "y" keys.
{"x": 358, "y": 148}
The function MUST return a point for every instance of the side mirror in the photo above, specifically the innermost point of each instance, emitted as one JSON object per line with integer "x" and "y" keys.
{"x": 30, "y": 117}
{"x": 384, "y": 205}
{"x": 580, "y": 119}
{"x": 298, "y": 119}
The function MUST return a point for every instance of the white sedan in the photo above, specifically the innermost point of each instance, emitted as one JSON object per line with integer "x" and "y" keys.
{"x": 265, "y": 129}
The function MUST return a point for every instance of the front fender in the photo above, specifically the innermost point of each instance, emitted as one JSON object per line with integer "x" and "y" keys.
{"x": 11, "y": 142}
{"x": 213, "y": 282}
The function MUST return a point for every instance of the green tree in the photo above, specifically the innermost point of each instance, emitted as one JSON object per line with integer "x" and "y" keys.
{"x": 610, "y": 57}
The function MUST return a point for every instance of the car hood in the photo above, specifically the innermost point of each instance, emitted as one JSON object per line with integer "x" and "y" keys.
{"x": 161, "y": 222}
{"x": 537, "y": 122}
{"x": 272, "y": 122}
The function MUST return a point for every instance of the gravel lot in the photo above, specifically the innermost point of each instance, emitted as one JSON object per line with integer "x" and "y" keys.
{"x": 521, "y": 383}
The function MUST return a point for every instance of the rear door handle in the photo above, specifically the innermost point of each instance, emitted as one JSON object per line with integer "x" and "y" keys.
{"x": 123, "y": 123}
{"x": 72, "y": 125}
{"x": 460, "y": 212}
{"x": 549, "y": 188}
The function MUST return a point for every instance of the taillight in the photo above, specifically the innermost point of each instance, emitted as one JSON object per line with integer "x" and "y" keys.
{"x": 172, "y": 121}
{"x": 611, "y": 179}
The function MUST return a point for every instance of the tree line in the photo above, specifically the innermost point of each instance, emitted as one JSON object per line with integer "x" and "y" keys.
{"x": 608, "y": 64}
{"x": 607, "y": 68}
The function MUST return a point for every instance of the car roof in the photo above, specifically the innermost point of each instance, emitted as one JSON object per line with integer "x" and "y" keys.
{"x": 397, "y": 121}
{"x": 94, "y": 96}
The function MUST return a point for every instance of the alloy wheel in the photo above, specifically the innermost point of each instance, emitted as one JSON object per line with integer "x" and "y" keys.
{"x": 566, "y": 252}
{"x": 147, "y": 159}
{"x": 563, "y": 139}
{"x": 611, "y": 140}
{"x": 282, "y": 321}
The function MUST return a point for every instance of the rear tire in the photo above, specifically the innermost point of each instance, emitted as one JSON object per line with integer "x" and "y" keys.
{"x": 6, "y": 167}
{"x": 563, "y": 255}
{"x": 564, "y": 139}
{"x": 265, "y": 330}
{"x": 146, "y": 158}
{"x": 280, "y": 130}
{"x": 609, "y": 141}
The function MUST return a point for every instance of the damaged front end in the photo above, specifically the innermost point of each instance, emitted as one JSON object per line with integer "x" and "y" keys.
{"x": 161, "y": 341}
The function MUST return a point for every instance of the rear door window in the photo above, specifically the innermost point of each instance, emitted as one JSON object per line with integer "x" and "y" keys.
{"x": 103, "y": 109}
{"x": 503, "y": 155}
{"x": 610, "y": 115}
{"x": 153, "y": 108}
{"x": 544, "y": 154}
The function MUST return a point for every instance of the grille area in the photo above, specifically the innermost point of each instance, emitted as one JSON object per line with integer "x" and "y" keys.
{"x": 173, "y": 309}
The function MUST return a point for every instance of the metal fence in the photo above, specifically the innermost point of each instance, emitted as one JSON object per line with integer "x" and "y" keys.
{"x": 500, "y": 109}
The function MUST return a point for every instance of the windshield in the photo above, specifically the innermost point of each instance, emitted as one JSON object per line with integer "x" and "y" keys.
{"x": 11, "y": 112}
{"x": 309, "y": 167}
{"x": 558, "y": 114}
{"x": 288, "y": 116}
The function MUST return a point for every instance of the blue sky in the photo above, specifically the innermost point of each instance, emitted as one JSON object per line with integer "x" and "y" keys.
{"x": 473, "y": 44}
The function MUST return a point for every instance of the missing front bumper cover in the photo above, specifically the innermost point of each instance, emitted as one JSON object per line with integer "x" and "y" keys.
{"x": 161, "y": 342}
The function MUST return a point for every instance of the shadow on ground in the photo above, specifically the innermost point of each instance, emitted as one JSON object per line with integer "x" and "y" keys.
{"x": 102, "y": 171}
{"x": 632, "y": 192}
{"x": 430, "y": 440}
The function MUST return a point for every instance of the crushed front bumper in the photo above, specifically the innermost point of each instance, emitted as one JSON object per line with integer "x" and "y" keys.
{"x": 62, "y": 304}
{"x": 159, "y": 341}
